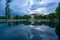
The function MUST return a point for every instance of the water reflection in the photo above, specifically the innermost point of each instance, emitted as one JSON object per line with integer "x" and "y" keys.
{"x": 27, "y": 31}
{"x": 50, "y": 24}
{"x": 58, "y": 30}
{"x": 18, "y": 23}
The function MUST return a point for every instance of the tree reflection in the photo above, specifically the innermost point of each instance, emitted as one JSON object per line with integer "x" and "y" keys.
{"x": 50, "y": 24}
{"x": 18, "y": 23}
{"x": 58, "y": 30}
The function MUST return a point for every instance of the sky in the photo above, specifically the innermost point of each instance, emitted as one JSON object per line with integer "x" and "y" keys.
{"x": 22, "y": 7}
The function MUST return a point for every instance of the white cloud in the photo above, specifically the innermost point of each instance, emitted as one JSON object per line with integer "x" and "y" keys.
{"x": 40, "y": 10}
{"x": 46, "y": 2}
{"x": 44, "y": 10}
{"x": 26, "y": 5}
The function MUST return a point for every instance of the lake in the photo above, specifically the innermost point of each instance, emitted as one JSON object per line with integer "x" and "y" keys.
{"x": 28, "y": 31}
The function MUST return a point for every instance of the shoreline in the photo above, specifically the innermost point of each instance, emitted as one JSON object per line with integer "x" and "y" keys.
{"x": 38, "y": 20}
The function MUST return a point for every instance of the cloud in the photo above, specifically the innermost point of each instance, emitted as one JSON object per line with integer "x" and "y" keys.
{"x": 22, "y": 7}
{"x": 45, "y": 6}
{"x": 40, "y": 10}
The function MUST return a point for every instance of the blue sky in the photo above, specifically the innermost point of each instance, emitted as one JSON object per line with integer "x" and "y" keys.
{"x": 22, "y": 7}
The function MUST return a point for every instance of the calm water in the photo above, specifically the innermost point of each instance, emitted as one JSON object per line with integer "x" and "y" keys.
{"x": 27, "y": 31}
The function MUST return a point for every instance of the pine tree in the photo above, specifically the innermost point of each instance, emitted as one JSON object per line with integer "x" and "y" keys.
{"x": 7, "y": 8}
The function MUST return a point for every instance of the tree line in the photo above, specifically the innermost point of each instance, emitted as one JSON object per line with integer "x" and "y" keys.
{"x": 55, "y": 15}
